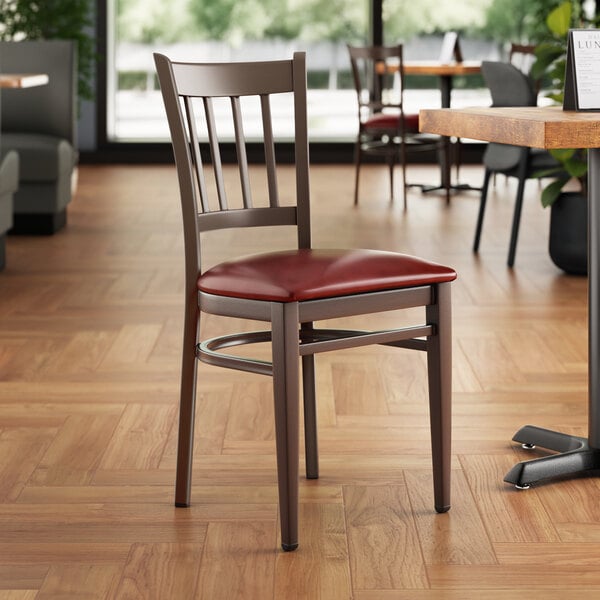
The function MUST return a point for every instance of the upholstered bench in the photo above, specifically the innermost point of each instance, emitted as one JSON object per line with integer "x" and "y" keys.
{"x": 40, "y": 123}
{"x": 9, "y": 182}
{"x": 45, "y": 184}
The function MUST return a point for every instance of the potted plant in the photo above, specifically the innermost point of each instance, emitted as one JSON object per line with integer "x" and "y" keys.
{"x": 568, "y": 218}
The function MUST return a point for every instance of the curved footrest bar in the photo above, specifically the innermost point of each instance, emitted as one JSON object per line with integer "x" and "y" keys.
{"x": 207, "y": 352}
{"x": 574, "y": 456}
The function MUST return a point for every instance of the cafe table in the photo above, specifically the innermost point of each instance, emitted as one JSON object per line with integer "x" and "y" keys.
{"x": 547, "y": 127}
{"x": 445, "y": 72}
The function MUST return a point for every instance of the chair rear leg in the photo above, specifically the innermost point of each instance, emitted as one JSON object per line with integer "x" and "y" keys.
{"x": 391, "y": 162}
{"x": 285, "y": 349}
{"x": 404, "y": 182}
{"x": 357, "y": 162}
{"x": 311, "y": 449}
{"x": 482, "y": 203}
{"x": 439, "y": 368}
{"x": 187, "y": 405}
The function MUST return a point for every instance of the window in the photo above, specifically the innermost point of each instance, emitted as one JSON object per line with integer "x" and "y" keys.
{"x": 219, "y": 30}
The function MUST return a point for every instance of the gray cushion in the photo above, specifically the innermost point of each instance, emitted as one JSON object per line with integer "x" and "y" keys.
{"x": 42, "y": 157}
{"x": 9, "y": 181}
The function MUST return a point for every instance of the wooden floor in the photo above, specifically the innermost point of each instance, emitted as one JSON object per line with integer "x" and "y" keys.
{"x": 90, "y": 325}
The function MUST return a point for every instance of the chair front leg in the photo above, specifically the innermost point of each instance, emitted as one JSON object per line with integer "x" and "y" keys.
{"x": 439, "y": 368}
{"x": 187, "y": 402}
{"x": 285, "y": 350}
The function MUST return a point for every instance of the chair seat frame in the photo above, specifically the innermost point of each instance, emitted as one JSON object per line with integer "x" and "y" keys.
{"x": 293, "y": 337}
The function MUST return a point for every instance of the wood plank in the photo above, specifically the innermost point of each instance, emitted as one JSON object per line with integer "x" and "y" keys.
{"x": 319, "y": 569}
{"x": 238, "y": 561}
{"x": 382, "y": 538}
{"x": 160, "y": 571}
{"x": 88, "y": 582}
{"x": 538, "y": 127}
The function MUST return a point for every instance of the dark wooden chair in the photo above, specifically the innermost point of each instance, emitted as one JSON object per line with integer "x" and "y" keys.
{"x": 288, "y": 289}
{"x": 384, "y": 128}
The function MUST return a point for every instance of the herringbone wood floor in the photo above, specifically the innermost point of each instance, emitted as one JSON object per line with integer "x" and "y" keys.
{"x": 89, "y": 359}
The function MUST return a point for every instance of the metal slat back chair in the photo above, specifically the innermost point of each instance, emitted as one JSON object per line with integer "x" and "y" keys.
{"x": 288, "y": 289}
{"x": 384, "y": 129}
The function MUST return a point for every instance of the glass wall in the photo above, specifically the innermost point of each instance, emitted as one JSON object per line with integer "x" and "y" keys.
{"x": 222, "y": 30}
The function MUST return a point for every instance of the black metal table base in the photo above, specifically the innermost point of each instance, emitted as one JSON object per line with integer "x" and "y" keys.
{"x": 455, "y": 186}
{"x": 574, "y": 456}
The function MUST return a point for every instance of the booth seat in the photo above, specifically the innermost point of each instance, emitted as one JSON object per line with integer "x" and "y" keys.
{"x": 40, "y": 124}
{"x": 9, "y": 182}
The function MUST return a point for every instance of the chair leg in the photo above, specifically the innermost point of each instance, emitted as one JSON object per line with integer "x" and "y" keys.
{"x": 187, "y": 403}
{"x": 404, "y": 184}
{"x": 311, "y": 448}
{"x": 439, "y": 368}
{"x": 482, "y": 203}
{"x": 514, "y": 234}
{"x": 357, "y": 161}
{"x": 285, "y": 349}
{"x": 391, "y": 163}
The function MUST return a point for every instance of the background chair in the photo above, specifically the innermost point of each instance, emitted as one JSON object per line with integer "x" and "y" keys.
{"x": 41, "y": 125}
{"x": 522, "y": 56}
{"x": 509, "y": 87}
{"x": 288, "y": 289}
{"x": 384, "y": 128}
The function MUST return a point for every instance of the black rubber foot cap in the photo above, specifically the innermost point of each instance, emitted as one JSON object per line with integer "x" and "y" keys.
{"x": 181, "y": 504}
{"x": 289, "y": 547}
{"x": 443, "y": 509}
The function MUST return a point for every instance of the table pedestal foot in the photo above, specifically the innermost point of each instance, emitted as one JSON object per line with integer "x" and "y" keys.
{"x": 574, "y": 456}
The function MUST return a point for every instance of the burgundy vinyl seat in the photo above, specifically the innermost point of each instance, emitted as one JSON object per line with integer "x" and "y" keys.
{"x": 291, "y": 290}
{"x": 306, "y": 274}
{"x": 392, "y": 122}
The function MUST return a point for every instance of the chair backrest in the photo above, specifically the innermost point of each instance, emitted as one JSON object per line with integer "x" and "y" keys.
{"x": 189, "y": 89}
{"x": 48, "y": 109}
{"x": 521, "y": 55}
{"x": 378, "y": 76}
{"x": 508, "y": 85}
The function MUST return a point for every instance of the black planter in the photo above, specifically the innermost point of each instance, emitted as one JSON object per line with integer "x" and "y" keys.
{"x": 568, "y": 233}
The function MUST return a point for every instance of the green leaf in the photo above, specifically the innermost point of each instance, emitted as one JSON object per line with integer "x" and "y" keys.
{"x": 576, "y": 167}
{"x": 559, "y": 20}
{"x": 551, "y": 192}
{"x": 563, "y": 154}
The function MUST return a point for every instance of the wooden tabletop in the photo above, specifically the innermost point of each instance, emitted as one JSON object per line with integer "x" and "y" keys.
{"x": 468, "y": 67}
{"x": 22, "y": 80}
{"x": 533, "y": 126}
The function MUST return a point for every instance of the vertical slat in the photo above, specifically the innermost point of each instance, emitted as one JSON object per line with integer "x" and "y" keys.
{"x": 269, "y": 151}
{"x": 240, "y": 144}
{"x": 189, "y": 110}
{"x": 215, "y": 152}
